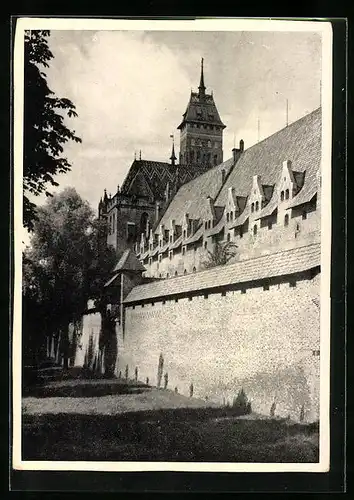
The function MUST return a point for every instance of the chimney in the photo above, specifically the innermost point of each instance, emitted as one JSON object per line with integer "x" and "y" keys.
{"x": 236, "y": 153}
{"x": 223, "y": 176}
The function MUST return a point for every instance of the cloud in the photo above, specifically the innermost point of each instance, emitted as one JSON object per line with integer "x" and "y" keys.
{"x": 131, "y": 89}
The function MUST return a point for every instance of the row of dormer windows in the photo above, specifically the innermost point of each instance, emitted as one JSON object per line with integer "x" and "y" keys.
{"x": 239, "y": 230}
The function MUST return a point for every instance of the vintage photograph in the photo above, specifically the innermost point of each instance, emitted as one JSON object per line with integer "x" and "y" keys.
{"x": 172, "y": 244}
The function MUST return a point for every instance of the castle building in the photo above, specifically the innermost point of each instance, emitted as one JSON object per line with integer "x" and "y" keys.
{"x": 252, "y": 323}
{"x": 149, "y": 186}
{"x": 263, "y": 199}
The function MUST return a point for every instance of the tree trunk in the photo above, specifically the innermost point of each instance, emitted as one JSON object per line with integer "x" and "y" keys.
{"x": 65, "y": 343}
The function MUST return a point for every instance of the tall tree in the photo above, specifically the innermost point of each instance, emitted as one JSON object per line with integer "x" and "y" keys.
{"x": 45, "y": 132}
{"x": 65, "y": 265}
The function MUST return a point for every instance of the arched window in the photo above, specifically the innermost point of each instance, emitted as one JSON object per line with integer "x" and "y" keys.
{"x": 198, "y": 155}
{"x": 228, "y": 236}
{"x": 282, "y": 196}
{"x": 227, "y": 216}
{"x": 185, "y": 272}
{"x": 257, "y": 205}
{"x": 252, "y": 207}
{"x": 231, "y": 215}
{"x": 286, "y": 220}
{"x": 143, "y": 222}
{"x": 206, "y": 224}
{"x": 184, "y": 233}
{"x": 209, "y": 224}
{"x": 194, "y": 269}
{"x": 176, "y": 273}
{"x": 205, "y": 244}
{"x": 287, "y": 194}
{"x": 167, "y": 275}
{"x": 255, "y": 229}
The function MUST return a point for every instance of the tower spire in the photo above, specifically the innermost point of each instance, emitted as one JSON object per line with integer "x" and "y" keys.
{"x": 173, "y": 157}
{"x": 201, "y": 84}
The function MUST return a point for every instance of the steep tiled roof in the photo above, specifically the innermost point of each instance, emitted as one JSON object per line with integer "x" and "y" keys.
{"x": 157, "y": 174}
{"x": 191, "y": 197}
{"x": 202, "y": 109}
{"x": 196, "y": 236}
{"x": 305, "y": 195}
{"x": 216, "y": 229}
{"x": 269, "y": 208}
{"x": 277, "y": 264}
{"x": 300, "y": 143}
{"x": 241, "y": 219}
{"x": 176, "y": 243}
{"x": 129, "y": 262}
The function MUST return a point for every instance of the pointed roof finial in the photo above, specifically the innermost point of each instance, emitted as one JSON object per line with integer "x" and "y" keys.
{"x": 173, "y": 157}
{"x": 134, "y": 155}
{"x": 201, "y": 84}
{"x": 140, "y": 155}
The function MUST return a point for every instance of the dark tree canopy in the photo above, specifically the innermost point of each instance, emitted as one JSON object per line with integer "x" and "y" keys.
{"x": 45, "y": 132}
{"x": 67, "y": 263}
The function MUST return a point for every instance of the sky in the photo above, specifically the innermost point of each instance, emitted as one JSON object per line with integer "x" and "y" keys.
{"x": 130, "y": 89}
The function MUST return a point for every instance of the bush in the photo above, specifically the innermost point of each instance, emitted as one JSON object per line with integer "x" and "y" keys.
{"x": 241, "y": 402}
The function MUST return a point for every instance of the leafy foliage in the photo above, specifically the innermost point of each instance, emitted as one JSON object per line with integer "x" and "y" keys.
{"x": 241, "y": 402}
{"x": 67, "y": 263}
{"x": 221, "y": 254}
{"x": 45, "y": 132}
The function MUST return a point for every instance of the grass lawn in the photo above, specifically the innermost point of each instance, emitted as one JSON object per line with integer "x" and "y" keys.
{"x": 111, "y": 420}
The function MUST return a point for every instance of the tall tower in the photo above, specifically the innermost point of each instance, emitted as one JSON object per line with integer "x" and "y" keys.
{"x": 201, "y": 129}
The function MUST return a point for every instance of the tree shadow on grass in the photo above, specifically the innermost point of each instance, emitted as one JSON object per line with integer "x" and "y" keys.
{"x": 180, "y": 434}
{"x": 84, "y": 389}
